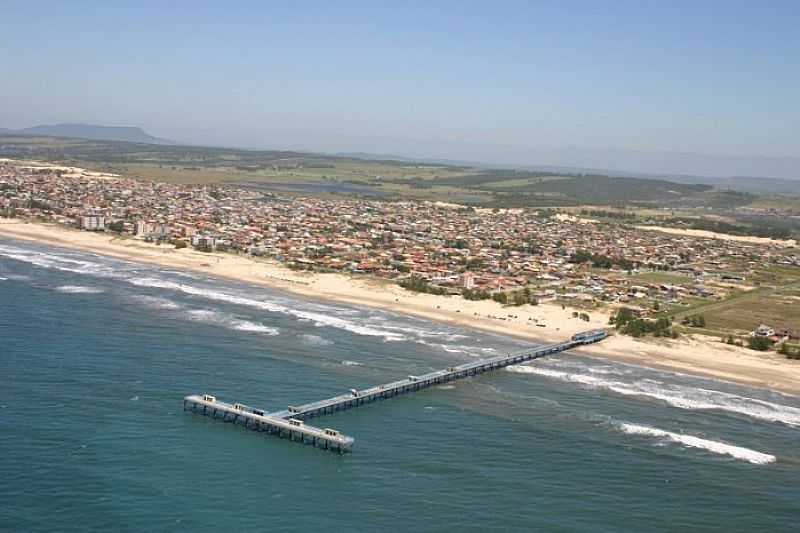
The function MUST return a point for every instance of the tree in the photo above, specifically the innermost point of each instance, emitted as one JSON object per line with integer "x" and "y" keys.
{"x": 695, "y": 321}
{"x": 500, "y": 297}
{"x": 519, "y": 298}
{"x": 117, "y": 226}
{"x": 623, "y": 316}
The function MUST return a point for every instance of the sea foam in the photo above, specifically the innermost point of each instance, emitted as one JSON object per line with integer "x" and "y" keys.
{"x": 679, "y": 396}
{"x": 319, "y": 319}
{"x": 156, "y": 302}
{"x": 690, "y": 441}
{"x": 55, "y": 261}
{"x": 315, "y": 340}
{"x": 230, "y": 322}
{"x": 78, "y": 289}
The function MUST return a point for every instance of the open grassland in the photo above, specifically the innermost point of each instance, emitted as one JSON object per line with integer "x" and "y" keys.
{"x": 348, "y": 171}
{"x": 775, "y": 301}
{"x": 744, "y": 314}
{"x": 390, "y": 179}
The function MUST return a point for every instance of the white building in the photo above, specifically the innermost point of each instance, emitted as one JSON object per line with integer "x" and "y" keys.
{"x": 469, "y": 280}
{"x": 204, "y": 242}
{"x": 93, "y": 222}
{"x": 763, "y": 331}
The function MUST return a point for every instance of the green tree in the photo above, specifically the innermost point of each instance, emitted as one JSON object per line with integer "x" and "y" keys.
{"x": 759, "y": 343}
{"x": 117, "y": 226}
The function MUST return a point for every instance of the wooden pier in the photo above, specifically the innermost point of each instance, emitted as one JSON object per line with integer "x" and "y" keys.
{"x": 290, "y": 422}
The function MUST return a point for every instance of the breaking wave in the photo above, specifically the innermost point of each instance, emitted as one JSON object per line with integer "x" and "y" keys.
{"x": 425, "y": 334}
{"x": 319, "y": 319}
{"x": 244, "y": 325}
{"x": 222, "y": 319}
{"x": 377, "y": 325}
{"x": 315, "y": 340}
{"x": 340, "y": 318}
{"x": 55, "y": 261}
{"x": 77, "y": 289}
{"x": 690, "y": 441}
{"x": 677, "y": 395}
{"x": 156, "y": 302}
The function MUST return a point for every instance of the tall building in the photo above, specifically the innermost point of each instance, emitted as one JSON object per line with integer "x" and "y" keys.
{"x": 469, "y": 280}
{"x": 93, "y": 222}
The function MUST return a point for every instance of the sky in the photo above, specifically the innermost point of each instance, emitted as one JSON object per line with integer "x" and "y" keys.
{"x": 704, "y": 86}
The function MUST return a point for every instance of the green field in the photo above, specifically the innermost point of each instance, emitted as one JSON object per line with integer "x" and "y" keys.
{"x": 776, "y": 304}
{"x": 388, "y": 179}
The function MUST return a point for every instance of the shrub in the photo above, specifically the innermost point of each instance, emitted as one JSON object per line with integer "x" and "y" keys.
{"x": 695, "y": 321}
{"x": 760, "y": 344}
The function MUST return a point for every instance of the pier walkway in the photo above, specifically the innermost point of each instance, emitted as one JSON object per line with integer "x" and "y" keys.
{"x": 257, "y": 420}
{"x": 291, "y": 421}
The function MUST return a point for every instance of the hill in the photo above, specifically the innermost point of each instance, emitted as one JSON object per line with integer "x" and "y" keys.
{"x": 93, "y": 132}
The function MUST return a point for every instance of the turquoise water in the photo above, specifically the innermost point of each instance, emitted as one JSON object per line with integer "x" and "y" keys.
{"x": 97, "y": 354}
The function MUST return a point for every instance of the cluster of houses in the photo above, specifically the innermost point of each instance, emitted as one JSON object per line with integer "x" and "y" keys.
{"x": 775, "y": 335}
{"x": 453, "y": 248}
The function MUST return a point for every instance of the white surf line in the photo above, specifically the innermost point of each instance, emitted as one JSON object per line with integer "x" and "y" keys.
{"x": 679, "y": 396}
{"x": 690, "y": 441}
{"x": 319, "y": 319}
{"x": 79, "y": 289}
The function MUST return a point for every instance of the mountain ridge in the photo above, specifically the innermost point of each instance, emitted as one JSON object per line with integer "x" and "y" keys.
{"x": 92, "y": 132}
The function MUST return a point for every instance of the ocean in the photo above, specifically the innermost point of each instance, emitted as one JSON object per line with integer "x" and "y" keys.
{"x": 96, "y": 355}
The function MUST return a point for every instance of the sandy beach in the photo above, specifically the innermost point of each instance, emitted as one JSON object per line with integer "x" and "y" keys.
{"x": 545, "y": 322}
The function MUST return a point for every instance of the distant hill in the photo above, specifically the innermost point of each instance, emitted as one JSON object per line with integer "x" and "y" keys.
{"x": 758, "y": 185}
{"x": 93, "y": 132}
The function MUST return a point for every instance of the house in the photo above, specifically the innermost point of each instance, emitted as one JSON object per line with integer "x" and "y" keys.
{"x": 763, "y": 331}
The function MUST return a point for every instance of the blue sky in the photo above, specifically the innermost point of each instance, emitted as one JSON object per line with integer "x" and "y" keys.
{"x": 452, "y": 79}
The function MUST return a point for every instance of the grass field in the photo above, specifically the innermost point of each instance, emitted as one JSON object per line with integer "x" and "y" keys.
{"x": 745, "y": 314}
{"x": 777, "y": 305}
{"x": 389, "y": 179}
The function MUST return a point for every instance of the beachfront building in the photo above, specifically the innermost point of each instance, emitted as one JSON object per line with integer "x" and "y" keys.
{"x": 92, "y": 223}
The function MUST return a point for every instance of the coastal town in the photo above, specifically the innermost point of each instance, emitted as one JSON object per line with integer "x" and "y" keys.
{"x": 514, "y": 256}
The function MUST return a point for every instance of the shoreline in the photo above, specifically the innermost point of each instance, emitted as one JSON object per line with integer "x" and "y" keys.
{"x": 695, "y": 354}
